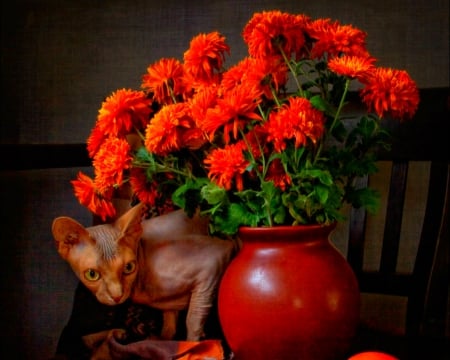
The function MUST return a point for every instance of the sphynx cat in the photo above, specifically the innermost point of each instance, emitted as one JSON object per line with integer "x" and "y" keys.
{"x": 167, "y": 262}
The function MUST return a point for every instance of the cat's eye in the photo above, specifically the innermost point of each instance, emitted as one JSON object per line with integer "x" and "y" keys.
{"x": 129, "y": 267}
{"x": 91, "y": 275}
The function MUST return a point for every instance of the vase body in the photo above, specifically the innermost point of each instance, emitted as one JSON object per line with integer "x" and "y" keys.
{"x": 288, "y": 294}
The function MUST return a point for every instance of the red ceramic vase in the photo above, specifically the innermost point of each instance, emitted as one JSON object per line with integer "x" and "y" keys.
{"x": 288, "y": 294}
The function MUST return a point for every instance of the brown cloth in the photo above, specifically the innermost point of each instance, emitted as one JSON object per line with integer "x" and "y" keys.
{"x": 107, "y": 345}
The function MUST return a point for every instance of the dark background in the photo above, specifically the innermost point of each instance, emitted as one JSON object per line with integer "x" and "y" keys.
{"x": 61, "y": 58}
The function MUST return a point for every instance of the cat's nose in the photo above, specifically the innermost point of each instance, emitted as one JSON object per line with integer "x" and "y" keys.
{"x": 117, "y": 299}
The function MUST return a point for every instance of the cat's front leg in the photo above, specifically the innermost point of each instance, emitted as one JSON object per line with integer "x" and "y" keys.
{"x": 199, "y": 308}
{"x": 170, "y": 319}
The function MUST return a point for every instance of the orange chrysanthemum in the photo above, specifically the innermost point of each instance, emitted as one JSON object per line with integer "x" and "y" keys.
{"x": 234, "y": 75}
{"x": 95, "y": 140}
{"x": 205, "y": 57}
{"x": 227, "y": 165}
{"x": 110, "y": 162}
{"x": 122, "y": 111}
{"x": 84, "y": 188}
{"x": 298, "y": 120}
{"x": 88, "y": 195}
{"x": 151, "y": 192}
{"x": 232, "y": 112}
{"x": 334, "y": 39}
{"x": 354, "y": 67}
{"x": 266, "y": 74}
{"x": 146, "y": 191}
{"x": 269, "y": 31}
{"x": 170, "y": 128}
{"x": 257, "y": 140}
{"x": 277, "y": 174}
{"x": 391, "y": 91}
{"x": 204, "y": 99}
{"x": 165, "y": 79}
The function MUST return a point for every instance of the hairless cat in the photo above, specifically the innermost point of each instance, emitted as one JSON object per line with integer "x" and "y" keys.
{"x": 167, "y": 262}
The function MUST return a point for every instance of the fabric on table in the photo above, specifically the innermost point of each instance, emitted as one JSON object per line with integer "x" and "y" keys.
{"x": 165, "y": 349}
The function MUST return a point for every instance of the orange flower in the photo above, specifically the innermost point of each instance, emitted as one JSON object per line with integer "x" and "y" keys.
{"x": 84, "y": 188}
{"x": 167, "y": 130}
{"x": 110, "y": 161}
{"x": 121, "y": 112}
{"x": 264, "y": 74}
{"x": 267, "y": 74}
{"x": 205, "y": 56}
{"x": 391, "y": 91}
{"x": 193, "y": 138}
{"x": 277, "y": 174}
{"x": 257, "y": 140}
{"x": 232, "y": 112}
{"x": 151, "y": 192}
{"x": 335, "y": 39}
{"x": 234, "y": 75}
{"x": 269, "y": 31}
{"x": 354, "y": 67}
{"x": 226, "y": 166}
{"x": 146, "y": 191}
{"x": 95, "y": 140}
{"x": 298, "y": 120}
{"x": 203, "y": 100}
{"x": 88, "y": 195}
{"x": 164, "y": 79}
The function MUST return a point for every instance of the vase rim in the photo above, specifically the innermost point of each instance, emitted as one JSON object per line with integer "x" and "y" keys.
{"x": 287, "y": 228}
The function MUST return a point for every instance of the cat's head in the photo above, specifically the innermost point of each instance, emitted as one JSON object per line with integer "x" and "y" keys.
{"x": 104, "y": 257}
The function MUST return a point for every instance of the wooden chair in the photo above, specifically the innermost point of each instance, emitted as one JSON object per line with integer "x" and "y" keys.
{"x": 426, "y": 334}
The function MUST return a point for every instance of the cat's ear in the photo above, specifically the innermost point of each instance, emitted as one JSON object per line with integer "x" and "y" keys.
{"x": 68, "y": 233}
{"x": 130, "y": 224}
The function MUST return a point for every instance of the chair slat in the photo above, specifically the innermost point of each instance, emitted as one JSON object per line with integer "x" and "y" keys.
{"x": 394, "y": 212}
{"x": 432, "y": 226}
{"x": 355, "y": 252}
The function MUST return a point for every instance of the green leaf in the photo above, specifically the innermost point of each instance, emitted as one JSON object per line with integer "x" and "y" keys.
{"x": 230, "y": 218}
{"x": 323, "y": 176}
{"x": 213, "y": 194}
{"x": 366, "y": 198}
{"x": 339, "y": 131}
{"x": 322, "y": 193}
{"x": 187, "y": 196}
{"x": 321, "y": 65}
{"x": 142, "y": 154}
{"x": 279, "y": 215}
{"x": 321, "y": 104}
{"x": 367, "y": 127}
{"x": 251, "y": 199}
{"x": 308, "y": 85}
{"x": 268, "y": 189}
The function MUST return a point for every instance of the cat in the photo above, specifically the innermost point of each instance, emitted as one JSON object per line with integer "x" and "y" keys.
{"x": 167, "y": 262}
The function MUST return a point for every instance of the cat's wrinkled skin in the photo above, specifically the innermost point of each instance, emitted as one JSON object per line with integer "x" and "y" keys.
{"x": 167, "y": 262}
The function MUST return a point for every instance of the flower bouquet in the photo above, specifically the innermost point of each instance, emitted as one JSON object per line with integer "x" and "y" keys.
{"x": 264, "y": 142}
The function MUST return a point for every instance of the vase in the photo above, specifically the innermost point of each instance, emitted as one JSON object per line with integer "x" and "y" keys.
{"x": 288, "y": 294}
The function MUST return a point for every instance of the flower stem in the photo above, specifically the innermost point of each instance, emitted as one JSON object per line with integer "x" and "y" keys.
{"x": 341, "y": 105}
{"x": 335, "y": 120}
{"x": 292, "y": 70}
{"x": 172, "y": 95}
{"x": 275, "y": 97}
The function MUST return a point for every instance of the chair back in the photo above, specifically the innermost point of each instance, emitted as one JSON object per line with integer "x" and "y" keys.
{"x": 418, "y": 144}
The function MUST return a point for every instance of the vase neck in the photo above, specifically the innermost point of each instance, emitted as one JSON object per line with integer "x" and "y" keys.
{"x": 306, "y": 234}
